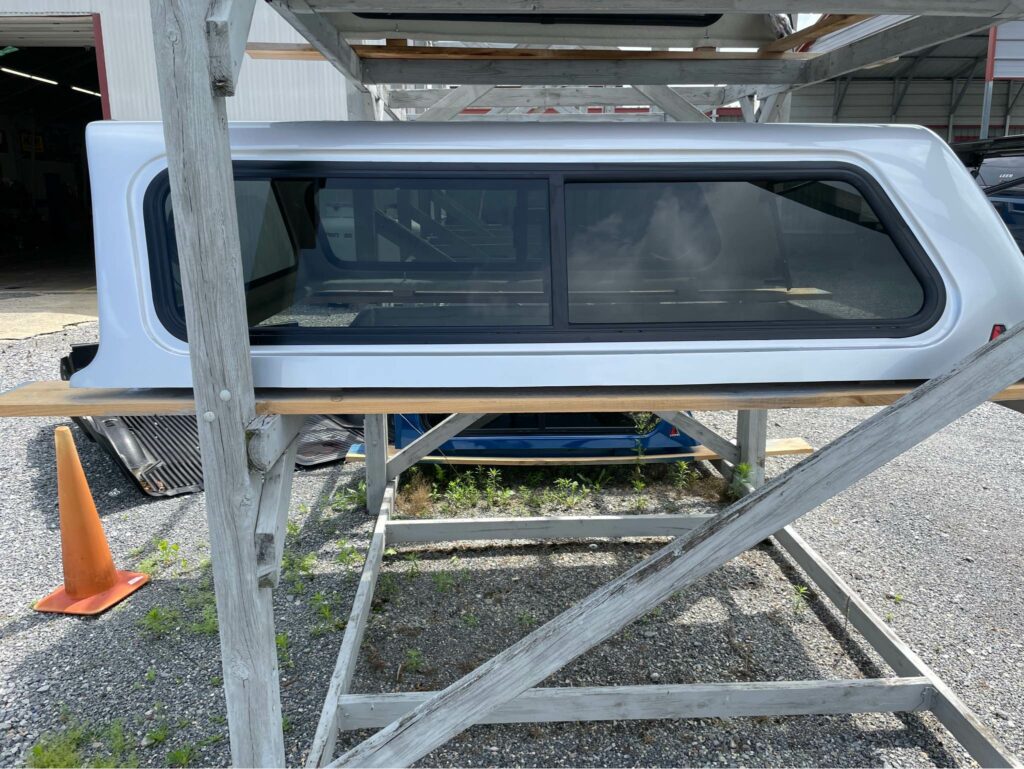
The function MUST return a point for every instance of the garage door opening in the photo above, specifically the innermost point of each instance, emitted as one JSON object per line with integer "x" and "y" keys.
{"x": 50, "y": 89}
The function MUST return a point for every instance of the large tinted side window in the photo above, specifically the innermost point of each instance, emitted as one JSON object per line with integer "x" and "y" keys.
{"x": 682, "y": 252}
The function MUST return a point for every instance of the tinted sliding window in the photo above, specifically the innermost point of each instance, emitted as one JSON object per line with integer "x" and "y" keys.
{"x": 338, "y": 253}
{"x": 448, "y": 253}
{"x": 728, "y": 251}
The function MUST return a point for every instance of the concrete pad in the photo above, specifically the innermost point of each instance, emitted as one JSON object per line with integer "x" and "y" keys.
{"x": 26, "y": 314}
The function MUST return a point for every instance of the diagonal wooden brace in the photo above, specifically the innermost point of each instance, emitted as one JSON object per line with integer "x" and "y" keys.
{"x": 725, "y": 448}
{"x": 603, "y": 613}
{"x": 436, "y": 436}
{"x": 272, "y": 444}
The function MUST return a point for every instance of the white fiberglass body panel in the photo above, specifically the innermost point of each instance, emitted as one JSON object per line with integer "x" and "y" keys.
{"x": 976, "y": 269}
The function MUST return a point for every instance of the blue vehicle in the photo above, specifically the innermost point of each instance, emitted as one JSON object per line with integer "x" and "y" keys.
{"x": 564, "y": 436}
{"x": 998, "y": 167}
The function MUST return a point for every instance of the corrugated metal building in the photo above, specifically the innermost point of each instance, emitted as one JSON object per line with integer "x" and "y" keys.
{"x": 268, "y": 90}
{"x": 941, "y": 88}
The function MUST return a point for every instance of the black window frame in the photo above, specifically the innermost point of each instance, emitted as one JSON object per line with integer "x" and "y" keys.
{"x": 561, "y": 330}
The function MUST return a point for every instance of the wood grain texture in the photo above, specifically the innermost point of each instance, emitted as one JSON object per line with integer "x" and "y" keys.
{"x": 327, "y": 728}
{"x": 561, "y": 527}
{"x": 206, "y": 228}
{"x": 826, "y": 25}
{"x": 227, "y": 28}
{"x": 460, "y": 53}
{"x": 551, "y": 96}
{"x": 433, "y": 438}
{"x": 327, "y": 41}
{"x": 782, "y": 500}
{"x": 628, "y": 703}
{"x": 375, "y": 439}
{"x": 275, "y": 491}
{"x": 452, "y": 103}
{"x": 59, "y": 399}
{"x": 723, "y": 447}
{"x": 672, "y": 104}
{"x": 752, "y": 436}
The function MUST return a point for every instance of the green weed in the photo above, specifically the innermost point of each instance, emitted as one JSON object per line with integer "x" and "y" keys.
{"x": 443, "y": 581}
{"x": 284, "y": 656}
{"x": 414, "y": 661}
{"x": 158, "y": 622}
{"x": 684, "y": 475}
{"x": 348, "y": 555}
{"x": 182, "y": 756}
{"x": 801, "y": 597}
{"x": 350, "y": 498}
{"x": 207, "y": 624}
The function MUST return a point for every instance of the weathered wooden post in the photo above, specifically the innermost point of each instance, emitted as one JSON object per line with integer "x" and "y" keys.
{"x": 206, "y": 226}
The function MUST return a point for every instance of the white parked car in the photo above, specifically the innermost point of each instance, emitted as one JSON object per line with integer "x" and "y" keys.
{"x": 491, "y": 255}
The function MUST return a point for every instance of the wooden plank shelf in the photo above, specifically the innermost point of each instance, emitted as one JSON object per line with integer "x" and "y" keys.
{"x": 59, "y": 399}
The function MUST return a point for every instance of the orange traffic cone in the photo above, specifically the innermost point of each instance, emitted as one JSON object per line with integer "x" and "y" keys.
{"x": 91, "y": 583}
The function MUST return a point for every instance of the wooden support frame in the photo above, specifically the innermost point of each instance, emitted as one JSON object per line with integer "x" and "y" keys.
{"x": 758, "y": 515}
{"x": 635, "y": 703}
{"x": 672, "y": 104}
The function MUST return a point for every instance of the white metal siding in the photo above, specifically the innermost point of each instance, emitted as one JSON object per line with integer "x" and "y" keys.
{"x": 927, "y": 103}
{"x": 268, "y": 90}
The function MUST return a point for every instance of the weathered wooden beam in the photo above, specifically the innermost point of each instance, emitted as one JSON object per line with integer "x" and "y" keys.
{"x": 519, "y": 53}
{"x": 375, "y": 439}
{"x": 906, "y": 38}
{"x": 628, "y": 703}
{"x": 227, "y": 30}
{"x": 454, "y": 102}
{"x": 206, "y": 228}
{"x": 275, "y": 490}
{"x": 269, "y": 436}
{"x": 554, "y": 96}
{"x": 826, "y": 25}
{"x": 327, "y": 39}
{"x": 983, "y": 746}
{"x": 984, "y": 8}
{"x": 752, "y": 438}
{"x": 436, "y": 436}
{"x": 782, "y": 500}
{"x": 561, "y": 527}
{"x": 672, "y": 104}
{"x": 58, "y": 398}
{"x": 322, "y": 749}
{"x": 725, "y": 448}
{"x": 581, "y": 72}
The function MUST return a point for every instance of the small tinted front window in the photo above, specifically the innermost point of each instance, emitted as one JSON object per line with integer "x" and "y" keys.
{"x": 694, "y": 252}
{"x": 447, "y": 253}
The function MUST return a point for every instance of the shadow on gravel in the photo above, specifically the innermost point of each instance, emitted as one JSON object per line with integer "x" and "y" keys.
{"x": 111, "y": 487}
{"x": 447, "y": 611}
{"x": 856, "y": 649}
{"x": 153, "y": 662}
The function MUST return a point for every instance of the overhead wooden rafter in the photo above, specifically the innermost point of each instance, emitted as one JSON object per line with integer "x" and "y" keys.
{"x": 987, "y": 8}
{"x": 826, "y": 25}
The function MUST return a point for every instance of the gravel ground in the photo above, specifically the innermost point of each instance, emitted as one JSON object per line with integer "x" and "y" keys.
{"x": 939, "y": 528}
